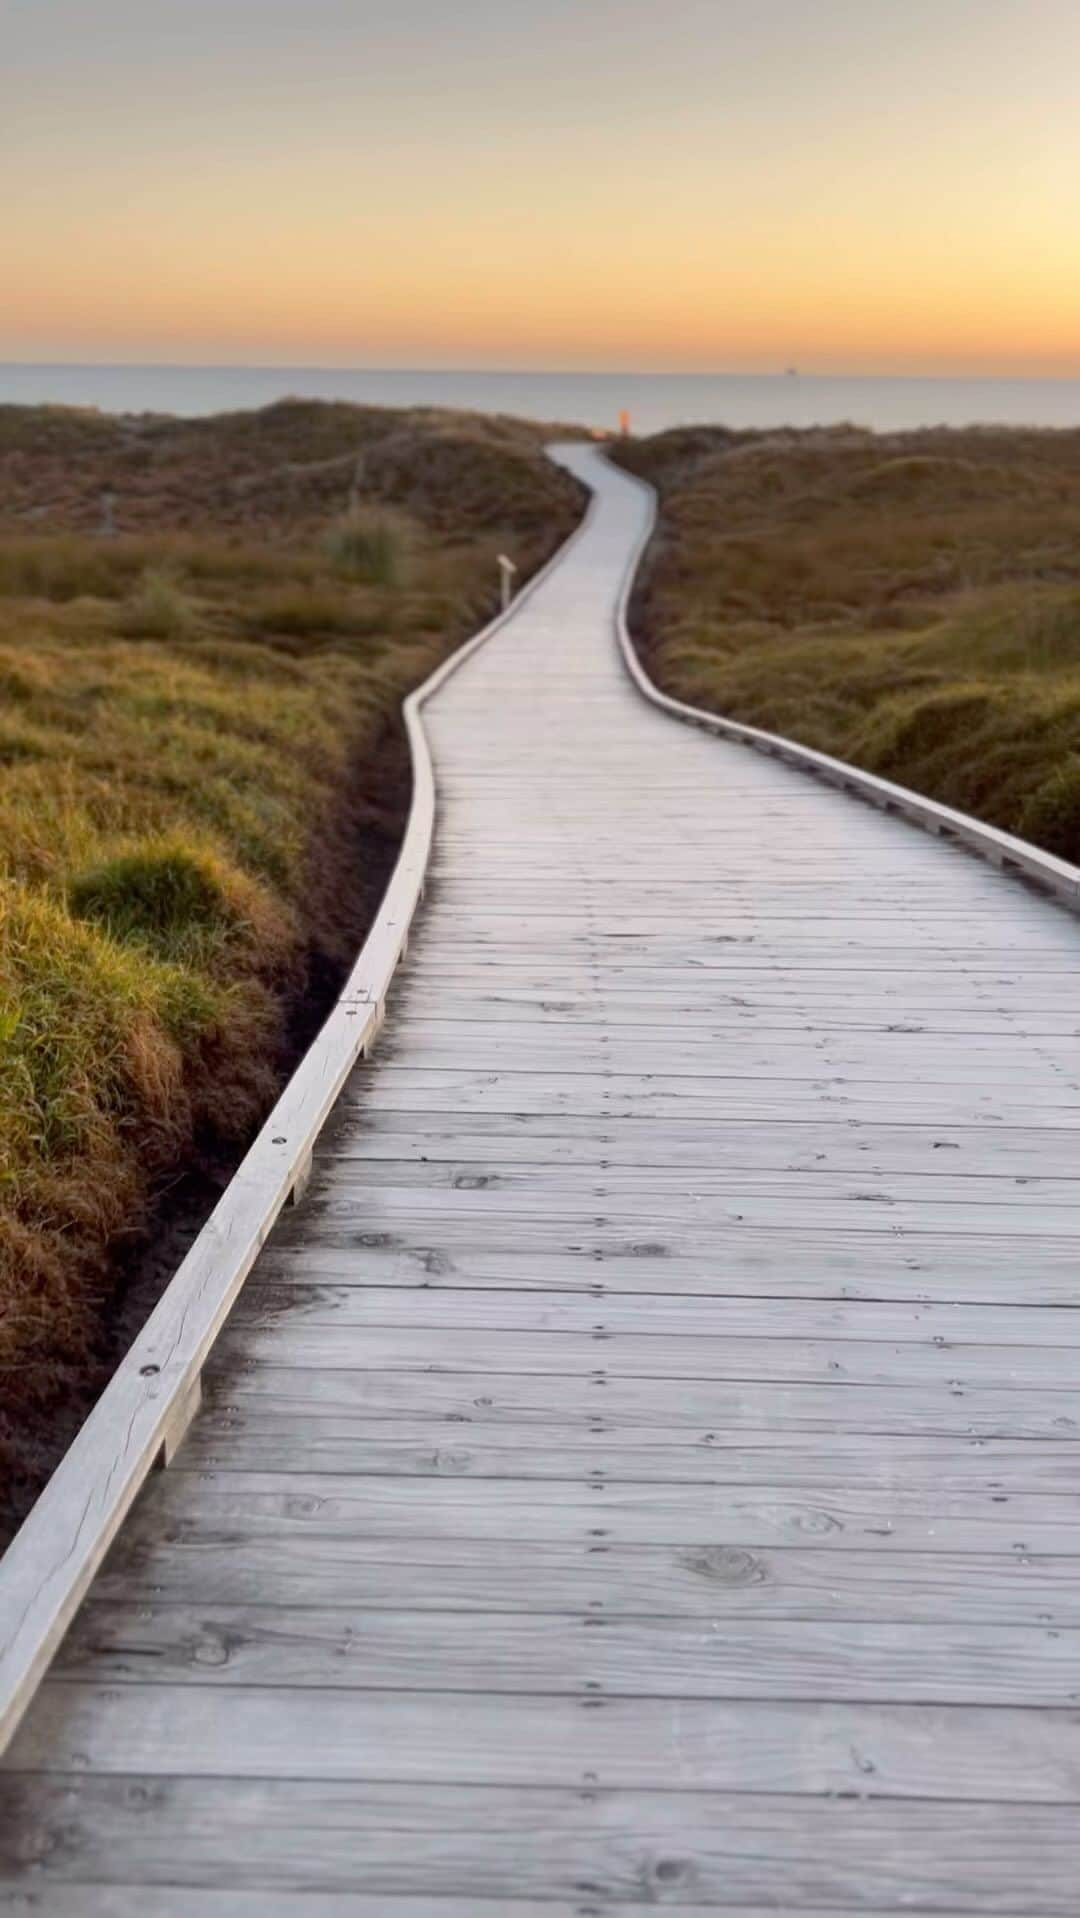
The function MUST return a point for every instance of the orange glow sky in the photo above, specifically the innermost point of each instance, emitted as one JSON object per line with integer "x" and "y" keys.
{"x": 851, "y": 185}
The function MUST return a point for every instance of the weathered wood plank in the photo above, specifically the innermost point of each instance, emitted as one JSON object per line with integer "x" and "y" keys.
{"x": 816, "y": 894}
{"x": 253, "y": 1437}
{"x": 892, "y": 1751}
{"x": 951, "y": 1056}
{"x": 715, "y": 1581}
{"x": 180, "y": 1901}
{"x": 805, "y": 1145}
{"x": 601, "y": 1402}
{"x": 495, "y": 1652}
{"x": 686, "y": 1222}
{"x": 240, "y": 1505}
{"x": 799, "y": 1185}
{"x": 943, "y": 1060}
{"x": 1027, "y": 924}
{"x": 1002, "y": 988}
{"x": 681, "y": 1012}
{"x": 360, "y": 1307}
{"x": 537, "y": 938}
{"x": 952, "y": 1364}
{"x": 950, "y": 1268}
{"x": 692, "y": 1851}
{"x": 175, "y": 1901}
{"x": 604, "y": 1094}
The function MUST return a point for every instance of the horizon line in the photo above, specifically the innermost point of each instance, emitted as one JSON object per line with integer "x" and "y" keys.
{"x": 529, "y": 372}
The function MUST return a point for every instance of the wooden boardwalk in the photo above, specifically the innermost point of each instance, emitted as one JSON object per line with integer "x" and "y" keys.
{"x": 645, "y": 1469}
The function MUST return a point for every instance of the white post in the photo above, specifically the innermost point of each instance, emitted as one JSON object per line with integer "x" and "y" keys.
{"x": 507, "y": 569}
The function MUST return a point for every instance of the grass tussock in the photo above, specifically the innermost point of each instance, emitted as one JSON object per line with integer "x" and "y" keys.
{"x": 910, "y": 603}
{"x": 194, "y": 696}
{"x": 159, "y": 608}
{"x": 372, "y": 547}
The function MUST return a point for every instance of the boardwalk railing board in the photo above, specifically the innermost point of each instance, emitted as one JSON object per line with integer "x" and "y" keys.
{"x": 144, "y": 1411}
{"x": 1003, "y": 849}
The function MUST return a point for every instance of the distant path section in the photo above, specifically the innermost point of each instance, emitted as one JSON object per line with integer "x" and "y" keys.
{"x": 645, "y": 1469}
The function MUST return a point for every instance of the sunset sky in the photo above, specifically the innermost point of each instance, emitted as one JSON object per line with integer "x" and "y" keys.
{"x": 852, "y": 185}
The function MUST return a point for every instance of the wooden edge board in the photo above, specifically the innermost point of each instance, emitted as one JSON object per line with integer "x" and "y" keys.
{"x": 142, "y": 1413}
{"x": 1015, "y": 856}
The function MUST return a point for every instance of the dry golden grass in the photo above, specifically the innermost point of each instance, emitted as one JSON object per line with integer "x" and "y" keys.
{"x": 191, "y": 720}
{"x": 909, "y": 602}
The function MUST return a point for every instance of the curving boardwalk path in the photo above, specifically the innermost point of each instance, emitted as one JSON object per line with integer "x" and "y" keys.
{"x": 645, "y": 1469}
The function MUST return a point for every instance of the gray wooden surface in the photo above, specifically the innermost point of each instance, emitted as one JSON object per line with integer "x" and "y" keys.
{"x": 645, "y": 1469}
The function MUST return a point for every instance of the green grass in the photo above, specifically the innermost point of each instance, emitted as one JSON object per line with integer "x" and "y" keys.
{"x": 909, "y": 603}
{"x": 191, "y": 720}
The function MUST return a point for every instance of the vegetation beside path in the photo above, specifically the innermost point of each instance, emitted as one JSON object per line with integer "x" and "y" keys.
{"x": 908, "y": 602}
{"x": 206, "y": 631}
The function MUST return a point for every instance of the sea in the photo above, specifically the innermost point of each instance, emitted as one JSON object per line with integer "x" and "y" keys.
{"x": 652, "y": 401}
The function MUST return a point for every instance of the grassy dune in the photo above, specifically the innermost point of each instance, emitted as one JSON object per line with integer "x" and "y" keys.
{"x": 909, "y": 602}
{"x": 197, "y": 801}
